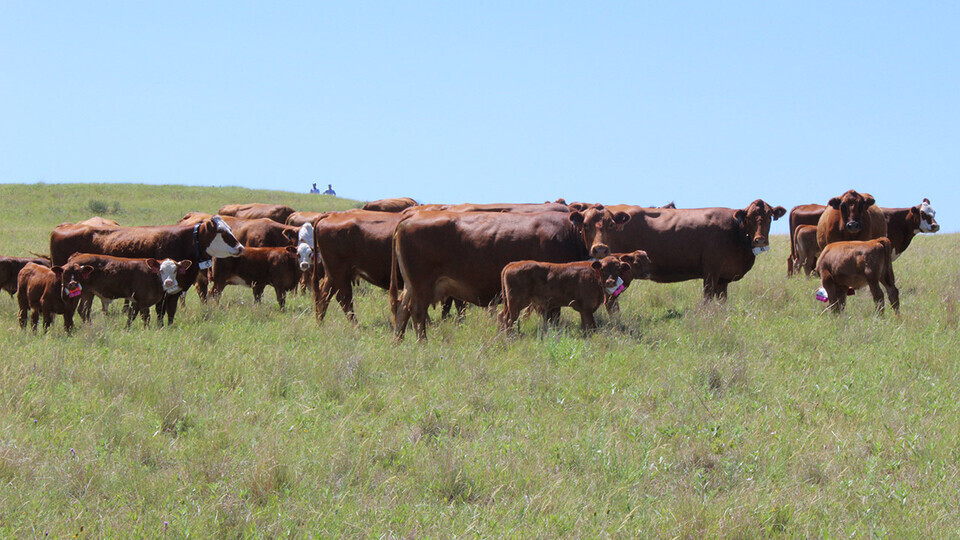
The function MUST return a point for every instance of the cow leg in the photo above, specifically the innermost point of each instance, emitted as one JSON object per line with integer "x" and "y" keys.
{"x": 145, "y": 316}
{"x": 721, "y": 290}
{"x": 104, "y": 307}
{"x": 34, "y": 319}
{"x": 612, "y": 304}
{"x": 203, "y": 281}
{"x": 345, "y": 298}
{"x": 85, "y": 306}
{"x": 461, "y": 310}
{"x": 47, "y": 321}
{"x": 587, "y": 322}
{"x": 258, "y": 292}
{"x": 447, "y": 304}
{"x": 68, "y": 322}
{"x": 321, "y": 297}
{"x": 791, "y": 265}
{"x": 22, "y": 316}
{"x": 877, "y": 294}
{"x": 281, "y": 296}
{"x": 418, "y": 311}
{"x": 709, "y": 286}
{"x": 172, "y": 308}
{"x": 132, "y": 313}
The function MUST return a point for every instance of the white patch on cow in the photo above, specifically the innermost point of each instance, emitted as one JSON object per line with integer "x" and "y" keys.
{"x": 304, "y": 256}
{"x": 218, "y": 248}
{"x": 759, "y": 250}
{"x": 305, "y": 235}
{"x": 168, "y": 276}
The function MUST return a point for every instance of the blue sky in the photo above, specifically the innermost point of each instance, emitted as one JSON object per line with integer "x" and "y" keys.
{"x": 702, "y": 103}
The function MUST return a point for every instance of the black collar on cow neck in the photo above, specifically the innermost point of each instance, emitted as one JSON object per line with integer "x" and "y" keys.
{"x": 196, "y": 246}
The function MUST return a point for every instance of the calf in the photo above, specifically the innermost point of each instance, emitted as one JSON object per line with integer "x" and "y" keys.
{"x": 639, "y": 269}
{"x": 257, "y": 268}
{"x": 805, "y": 249}
{"x": 550, "y": 286}
{"x": 144, "y": 282}
{"x": 50, "y": 291}
{"x": 11, "y": 266}
{"x": 853, "y": 264}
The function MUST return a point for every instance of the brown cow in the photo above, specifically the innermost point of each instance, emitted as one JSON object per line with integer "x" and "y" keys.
{"x": 639, "y": 269}
{"x": 50, "y": 291}
{"x": 390, "y": 205}
{"x": 851, "y": 216}
{"x": 351, "y": 245}
{"x": 276, "y": 212}
{"x": 804, "y": 214}
{"x": 461, "y": 254}
{"x": 581, "y": 285}
{"x": 905, "y": 223}
{"x": 853, "y": 264}
{"x": 199, "y": 243}
{"x": 301, "y": 218}
{"x": 11, "y": 266}
{"x": 804, "y": 248}
{"x": 718, "y": 245}
{"x": 257, "y": 268}
{"x": 144, "y": 282}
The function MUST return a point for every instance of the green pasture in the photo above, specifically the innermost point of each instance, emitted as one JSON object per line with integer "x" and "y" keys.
{"x": 761, "y": 417}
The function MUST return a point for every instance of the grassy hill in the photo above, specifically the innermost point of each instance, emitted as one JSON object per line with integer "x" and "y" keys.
{"x": 760, "y": 417}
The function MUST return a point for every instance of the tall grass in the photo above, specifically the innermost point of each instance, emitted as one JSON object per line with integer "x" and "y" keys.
{"x": 760, "y": 417}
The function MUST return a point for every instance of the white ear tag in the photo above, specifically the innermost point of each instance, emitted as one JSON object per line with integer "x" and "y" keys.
{"x": 205, "y": 264}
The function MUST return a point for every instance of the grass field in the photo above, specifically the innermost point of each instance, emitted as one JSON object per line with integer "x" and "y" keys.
{"x": 761, "y": 417}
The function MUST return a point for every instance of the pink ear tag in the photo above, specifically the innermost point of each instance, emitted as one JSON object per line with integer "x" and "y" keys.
{"x": 76, "y": 292}
{"x": 181, "y": 271}
{"x": 822, "y": 294}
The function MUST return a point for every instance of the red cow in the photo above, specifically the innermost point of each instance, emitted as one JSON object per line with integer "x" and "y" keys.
{"x": 853, "y": 264}
{"x": 804, "y": 214}
{"x": 905, "y": 223}
{"x": 301, "y": 218}
{"x": 440, "y": 254}
{"x": 390, "y": 205}
{"x": 718, "y": 245}
{"x": 851, "y": 216}
{"x": 144, "y": 282}
{"x": 276, "y": 212}
{"x": 11, "y": 266}
{"x": 48, "y": 292}
{"x": 349, "y": 246}
{"x": 581, "y": 285}
{"x": 199, "y": 243}
{"x": 805, "y": 248}
{"x": 257, "y": 268}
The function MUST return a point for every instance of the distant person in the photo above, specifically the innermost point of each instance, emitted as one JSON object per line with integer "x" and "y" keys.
{"x": 314, "y": 190}
{"x": 330, "y": 190}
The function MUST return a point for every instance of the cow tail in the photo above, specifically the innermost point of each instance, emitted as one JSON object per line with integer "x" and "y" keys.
{"x": 888, "y": 260}
{"x": 793, "y": 234}
{"x": 394, "y": 277}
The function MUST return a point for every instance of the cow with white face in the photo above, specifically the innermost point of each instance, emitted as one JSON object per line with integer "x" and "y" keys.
{"x": 223, "y": 243}
{"x": 905, "y": 223}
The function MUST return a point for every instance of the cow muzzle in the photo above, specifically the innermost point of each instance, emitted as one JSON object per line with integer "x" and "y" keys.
{"x": 304, "y": 266}
{"x": 929, "y": 227}
{"x": 599, "y": 251}
{"x": 853, "y": 226}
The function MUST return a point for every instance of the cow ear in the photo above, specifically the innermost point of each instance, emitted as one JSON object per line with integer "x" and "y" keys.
{"x": 914, "y": 213}
{"x": 620, "y": 218}
{"x": 184, "y": 264}
{"x": 779, "y": 212}
{"x": 154, "y": 265}
{"x": 208, "y": 227}
{"x": 624, "y": 269}
{"x": 293, "y": 236}
{"x": 628, "y": 258}
{"x": 58, "y": 270}
{"x": 739, "y": 214}
{"x": 578, "y": 206}
{"x": 868, "y": 202}
{"x": 291, "y": 249}
{"x": 85, "y": 271}
{"x": 596, "y": 266}
{"x": 926, "y": 200}
{"x": 834, "y": 203}
{"x": 577, "y": 219}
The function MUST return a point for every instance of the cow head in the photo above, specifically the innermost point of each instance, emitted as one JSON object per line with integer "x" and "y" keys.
{"x": 304, "y": 255}
{"x": 70, "y": 276}
{"x": 754, "y": 222}
{"x": 219, "y": 240}
{"x": 852, "y": 206}
{"x": 597, "y": 227}
{"x": 639, "y": 263}
{"x": 922, "y": 218}
{"x": 168, "y": 270}
{"x": 611, "y": 273}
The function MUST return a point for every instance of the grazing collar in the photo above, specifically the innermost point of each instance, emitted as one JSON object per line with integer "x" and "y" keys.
{"x": 201, "y": 262}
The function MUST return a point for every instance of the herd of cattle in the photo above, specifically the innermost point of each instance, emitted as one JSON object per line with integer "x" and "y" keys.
{"x": 546, "y": 256}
